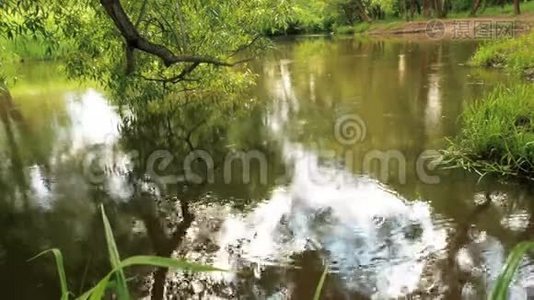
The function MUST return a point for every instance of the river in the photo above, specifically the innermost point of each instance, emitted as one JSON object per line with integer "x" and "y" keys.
{"x": 337, "y": 174}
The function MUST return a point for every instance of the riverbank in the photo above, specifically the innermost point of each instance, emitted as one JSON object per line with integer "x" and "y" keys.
{"x": 460, "y": 27}
{"x": 514, "y": 55}
{"x": 453, "y": 22}
{"x": 457, "y": 28}
{"x": 497, "y": 135}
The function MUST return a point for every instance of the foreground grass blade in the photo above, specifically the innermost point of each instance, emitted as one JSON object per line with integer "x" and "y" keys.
{"x": 122, "y": 286}
{"x": 320, "y": 285}
{"x": 145, "y": 260}
{"x": 60, "y": 270}
{"x": 166, "y": 262}
{"x": 500, "y": 291}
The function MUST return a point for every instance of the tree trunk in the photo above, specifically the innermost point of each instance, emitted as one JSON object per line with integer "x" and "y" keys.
{"x": 446, "y": 5}
{"x": 437, "y": 8}
{"x": 517, "y": 9}
{"x": 413, "y": 8}
{"x": 361, "y": 11}
{"x": 474, "y": 9}
{"x": 426, "y": 8}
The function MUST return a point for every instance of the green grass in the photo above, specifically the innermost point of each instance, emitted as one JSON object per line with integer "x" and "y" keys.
{"x": 358, "y": 28}
{"x": 500, "y": 290}
{"x": 320, "y": 285}
{"x": 516, "y": 54}
{"x": 60, "y": 270}
{"x": 345, "y": 29}
{"x": 119, "y": 285}
{"x": 24, "y": 48}
{"x": 362, "y": 27}
{"x": 495, "y": 11}
{"x": 114, "y": 258}
{"x": 497, "y": 136}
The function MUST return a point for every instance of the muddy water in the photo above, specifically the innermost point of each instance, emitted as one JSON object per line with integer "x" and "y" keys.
{"x": 340, "y": 177}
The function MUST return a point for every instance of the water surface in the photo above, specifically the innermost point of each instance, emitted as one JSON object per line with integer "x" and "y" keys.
{"x": 385, "y": 230}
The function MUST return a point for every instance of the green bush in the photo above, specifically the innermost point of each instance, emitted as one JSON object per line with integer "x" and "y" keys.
{"x": 362, "y": 27}
{"x": 345, "y": 29}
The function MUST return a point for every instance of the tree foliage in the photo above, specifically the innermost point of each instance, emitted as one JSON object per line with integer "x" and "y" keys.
{"x": 321, "y": 15}
{"x": 148, "y": 50}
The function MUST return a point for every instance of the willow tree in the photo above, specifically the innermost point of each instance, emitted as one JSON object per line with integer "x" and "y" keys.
{"x": 121, "y": 42}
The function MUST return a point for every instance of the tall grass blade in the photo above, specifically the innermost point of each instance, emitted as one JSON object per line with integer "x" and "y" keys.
{"x": 60, "y": 270}
{"x": 166, "y": 262}
{"x": 319, "y": 288}
{"x": 98, "y": 291}
{"x": 122, "y": 286}
{"x": 500, "y": 291}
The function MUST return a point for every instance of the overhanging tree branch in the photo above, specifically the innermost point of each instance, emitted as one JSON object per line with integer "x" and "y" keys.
{"x": 134, "y": 40}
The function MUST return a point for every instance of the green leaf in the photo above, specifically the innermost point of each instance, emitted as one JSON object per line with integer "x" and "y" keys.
{"x": 320, "y": 285}
{"x": 60, "y": 270}
{"x": 500, "y": 291}
{"x": 166, "y": 262}
{"x": 97, "y": 292}
{"x": 122, "y": 285}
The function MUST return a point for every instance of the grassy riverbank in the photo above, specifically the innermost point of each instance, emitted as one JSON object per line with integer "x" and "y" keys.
{"x": 497, "y": 136}
{"x": 29, "y": 48}
{"x": 515, "y": 55}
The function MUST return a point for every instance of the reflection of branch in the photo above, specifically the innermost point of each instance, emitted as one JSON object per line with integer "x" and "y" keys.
{"x": 453, "y": 276}
{"x": 173, "y": 243}
{"x": 8, "y": 112}
{"x": 528, "y": 233}
{"x": 190, "y": 133}
{"x": 163, "y": 244}
{"x": 187, "y": 218}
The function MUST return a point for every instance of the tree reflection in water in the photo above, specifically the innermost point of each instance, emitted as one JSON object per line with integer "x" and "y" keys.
{"x": 276, "y": 247}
